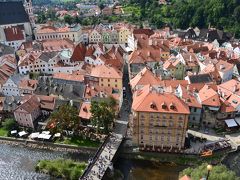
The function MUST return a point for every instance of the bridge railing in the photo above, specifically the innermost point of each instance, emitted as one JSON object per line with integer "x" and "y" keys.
{"x": 95, "y": 157}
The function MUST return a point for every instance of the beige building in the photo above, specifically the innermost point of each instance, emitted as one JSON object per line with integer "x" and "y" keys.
{"x": 123, "y": 32}
{"x": 107, "y": 76}
{"x": 95, "y": 37}
{"x": 74, "y": 33}
{"x": 160, "y": 120}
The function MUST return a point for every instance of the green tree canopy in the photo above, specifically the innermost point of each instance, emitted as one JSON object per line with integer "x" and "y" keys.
{"x": 9, "y": 124}
{"x": 219, "y": 172}
{"x": 68, "y": 19}
{"x": 103, "y": 114}
{"x": 65, "y": 118}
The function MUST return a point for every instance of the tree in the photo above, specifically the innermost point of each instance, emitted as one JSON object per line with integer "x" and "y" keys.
{"x": 65, "y": 118}
{"x": 68, "y": 19}
{"x": 103, "y": 114}
{"x": 219, "y": 172}
{"x": 9, "y": 124}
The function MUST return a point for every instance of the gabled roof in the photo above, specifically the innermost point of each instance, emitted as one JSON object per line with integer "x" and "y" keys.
{"x": 144, "y": 77}
{"x": 29, "y": 105}
{"x": 14, "y": 33}
{"x": 79, "y": 53}
{"x": 209, "y": 97}
{"x": 85, "y": 110}
{"x": 148, "y": 32}
{"x": 12, "y": 13}
{"x": 104, "y": 71}
{"x": 28, "y": 84}
{"x": 149, "y": 100}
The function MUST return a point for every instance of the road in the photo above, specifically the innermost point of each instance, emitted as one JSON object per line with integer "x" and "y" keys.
{"x": 121, "y": 123}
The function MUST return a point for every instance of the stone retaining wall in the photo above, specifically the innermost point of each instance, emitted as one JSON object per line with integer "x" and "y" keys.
{"x": 47, "y": 145}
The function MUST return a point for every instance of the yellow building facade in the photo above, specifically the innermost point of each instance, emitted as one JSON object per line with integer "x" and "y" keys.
{"x": 115, "y": 83}
{"x": 123, "y": 35}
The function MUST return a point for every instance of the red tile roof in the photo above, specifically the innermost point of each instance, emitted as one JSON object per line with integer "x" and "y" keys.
{"x": 79, "y": 53}
{"x": 144, "y": 77}
{"x": 14, "y": 33}
{"x": 209, "y": 97}
{"x": 85, "y": 110}
{"x": 149, "y": 100}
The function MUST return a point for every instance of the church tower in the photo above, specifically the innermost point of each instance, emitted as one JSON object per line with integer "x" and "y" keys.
{"x": 28, "y": 7}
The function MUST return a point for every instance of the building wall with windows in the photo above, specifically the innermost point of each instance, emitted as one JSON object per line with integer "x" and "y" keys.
{"x": 110, "y": 82}
{"x": 159, "y": 129}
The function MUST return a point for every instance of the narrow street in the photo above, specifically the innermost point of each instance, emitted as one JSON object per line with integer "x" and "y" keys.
{"x": 121, "y": 123}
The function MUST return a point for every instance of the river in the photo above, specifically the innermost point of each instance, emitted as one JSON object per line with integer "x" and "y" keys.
{"x": 146, "y": 170}
{"x": 17, "y": 163}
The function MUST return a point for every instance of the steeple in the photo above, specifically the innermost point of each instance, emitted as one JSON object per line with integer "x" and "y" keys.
{"x": 28, "y": 8}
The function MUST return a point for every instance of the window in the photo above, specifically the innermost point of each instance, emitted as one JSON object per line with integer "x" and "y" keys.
{"x": 115, "y": 80}
{"x": 108, "y": 80}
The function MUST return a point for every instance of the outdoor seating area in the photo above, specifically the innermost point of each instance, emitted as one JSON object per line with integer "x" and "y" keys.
{"x": 43, "y": 136}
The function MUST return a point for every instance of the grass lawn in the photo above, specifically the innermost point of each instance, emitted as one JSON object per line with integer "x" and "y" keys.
{"x": 78, "y": 141}
{"x": 65, "y": 168}
{"x": 3, "y": 132}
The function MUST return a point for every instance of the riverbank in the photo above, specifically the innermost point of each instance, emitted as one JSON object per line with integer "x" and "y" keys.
{"x": 47, "y": 145}
{"x": 62, "y": 168}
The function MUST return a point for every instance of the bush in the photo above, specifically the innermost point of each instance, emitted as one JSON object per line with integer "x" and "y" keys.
{"x": 67, "y": 169}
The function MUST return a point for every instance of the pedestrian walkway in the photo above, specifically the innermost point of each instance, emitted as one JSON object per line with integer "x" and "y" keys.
{"x": 98, "y": 167}
{"x": 209, "y": 137}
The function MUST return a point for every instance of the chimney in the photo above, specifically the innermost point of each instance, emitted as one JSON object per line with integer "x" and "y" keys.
{"x": 38, "y": 98}
{"x": 190, "y": 58}
{"x": 148, "y": 53}
{"x": 188, "y": 87}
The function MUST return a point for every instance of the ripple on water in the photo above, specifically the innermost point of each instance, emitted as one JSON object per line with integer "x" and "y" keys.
{"x": 17, "y": 163}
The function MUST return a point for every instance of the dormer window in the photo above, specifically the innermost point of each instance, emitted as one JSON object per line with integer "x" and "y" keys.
{"x": 152, "y": 105}
{"x": 172, "y": 106}
{"x": 164, "y": 106}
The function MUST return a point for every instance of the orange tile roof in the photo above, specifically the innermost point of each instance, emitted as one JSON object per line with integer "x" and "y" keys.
{"x": 85, "y": 110}
{"x": 230, "y": 87}
{"x": 28, "y": 84}
{"x": 189, "y": 98}
{"x": 226, "y": 106}
{"x": 104, "y": 71}
{"x": 143, "y": 78}
{"x": 149, "y": 100}
{"x": 209, "y": 97}
{"x": 175, "y": 83}
{"x": 98, "y": 91}
{"x": 57, "y": 44}
{"x": 224, "y": 66}
{"x": 69, "y": 77}
{"x": 47, "y": 102}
